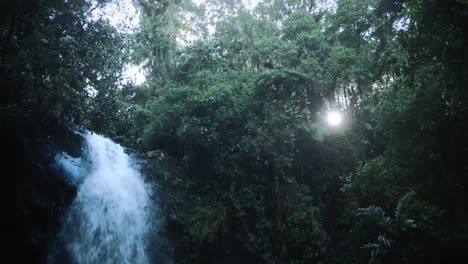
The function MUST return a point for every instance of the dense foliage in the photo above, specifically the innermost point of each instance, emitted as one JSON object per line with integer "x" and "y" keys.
{"x": 232, "y": 117}
{"x": 59, "y": 66}
{"x": 58, "y": 70}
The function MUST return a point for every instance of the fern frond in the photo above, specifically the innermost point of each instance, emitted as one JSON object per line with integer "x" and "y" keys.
{"x": 371, "y": 246}
{"x": 408, "y": 224}
{"x": 374, "y": 212}
{"x": 402, "y": 204}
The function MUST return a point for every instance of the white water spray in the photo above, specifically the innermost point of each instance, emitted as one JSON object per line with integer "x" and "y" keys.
{"x": 109, "y": 221}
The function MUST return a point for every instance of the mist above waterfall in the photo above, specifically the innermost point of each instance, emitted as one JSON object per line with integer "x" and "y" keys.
{"x": 112, "y": 216}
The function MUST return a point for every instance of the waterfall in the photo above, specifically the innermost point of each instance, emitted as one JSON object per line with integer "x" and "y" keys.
{"x": 112, "y": 216}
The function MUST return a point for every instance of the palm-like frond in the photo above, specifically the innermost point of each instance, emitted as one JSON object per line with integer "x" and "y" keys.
{"x": 408, "y": 224}
{"x": 379, "y": 247}
{"x": 374, "y": 212}
{"x": 389, "y": 227}
{"x": 273, "y": 77}
{"x": 377, "y": 215}
{"x": 404, "y": 201}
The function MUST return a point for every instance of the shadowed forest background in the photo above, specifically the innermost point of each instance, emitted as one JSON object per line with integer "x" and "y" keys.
{"x": 231, "y": 122}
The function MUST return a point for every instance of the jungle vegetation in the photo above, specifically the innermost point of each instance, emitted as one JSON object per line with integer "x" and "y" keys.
{"x": 232, "y": 119}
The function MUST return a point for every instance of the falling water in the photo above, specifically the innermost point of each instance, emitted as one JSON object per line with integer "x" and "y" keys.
{"x": 109, "y": 220}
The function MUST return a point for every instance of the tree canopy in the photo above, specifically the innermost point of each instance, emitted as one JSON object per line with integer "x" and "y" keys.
{"x": 232, "y": 118}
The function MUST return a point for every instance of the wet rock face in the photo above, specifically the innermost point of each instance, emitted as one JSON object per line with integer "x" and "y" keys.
{"x": 155, "y": 154}
{"x": 34, "y": 195}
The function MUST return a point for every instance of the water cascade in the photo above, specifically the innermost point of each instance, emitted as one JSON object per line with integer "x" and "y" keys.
{"x": 111, "y": 218}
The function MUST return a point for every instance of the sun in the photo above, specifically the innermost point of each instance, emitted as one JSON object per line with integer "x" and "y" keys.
{"x": 334, "y": 118}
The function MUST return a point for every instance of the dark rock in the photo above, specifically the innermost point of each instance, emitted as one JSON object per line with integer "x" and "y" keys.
{"x": 155, "y": 154}
{"x": 34, "y": 196}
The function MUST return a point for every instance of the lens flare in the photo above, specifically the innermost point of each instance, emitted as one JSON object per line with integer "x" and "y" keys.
{"x": 334, "y": 118}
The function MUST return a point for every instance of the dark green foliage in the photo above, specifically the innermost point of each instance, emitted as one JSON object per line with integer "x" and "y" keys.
{"x": 397, "y": 237}
{"x": 234, "y": 121}
{"x": 253, "y": 166}
{"x": 53, "y": 59}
